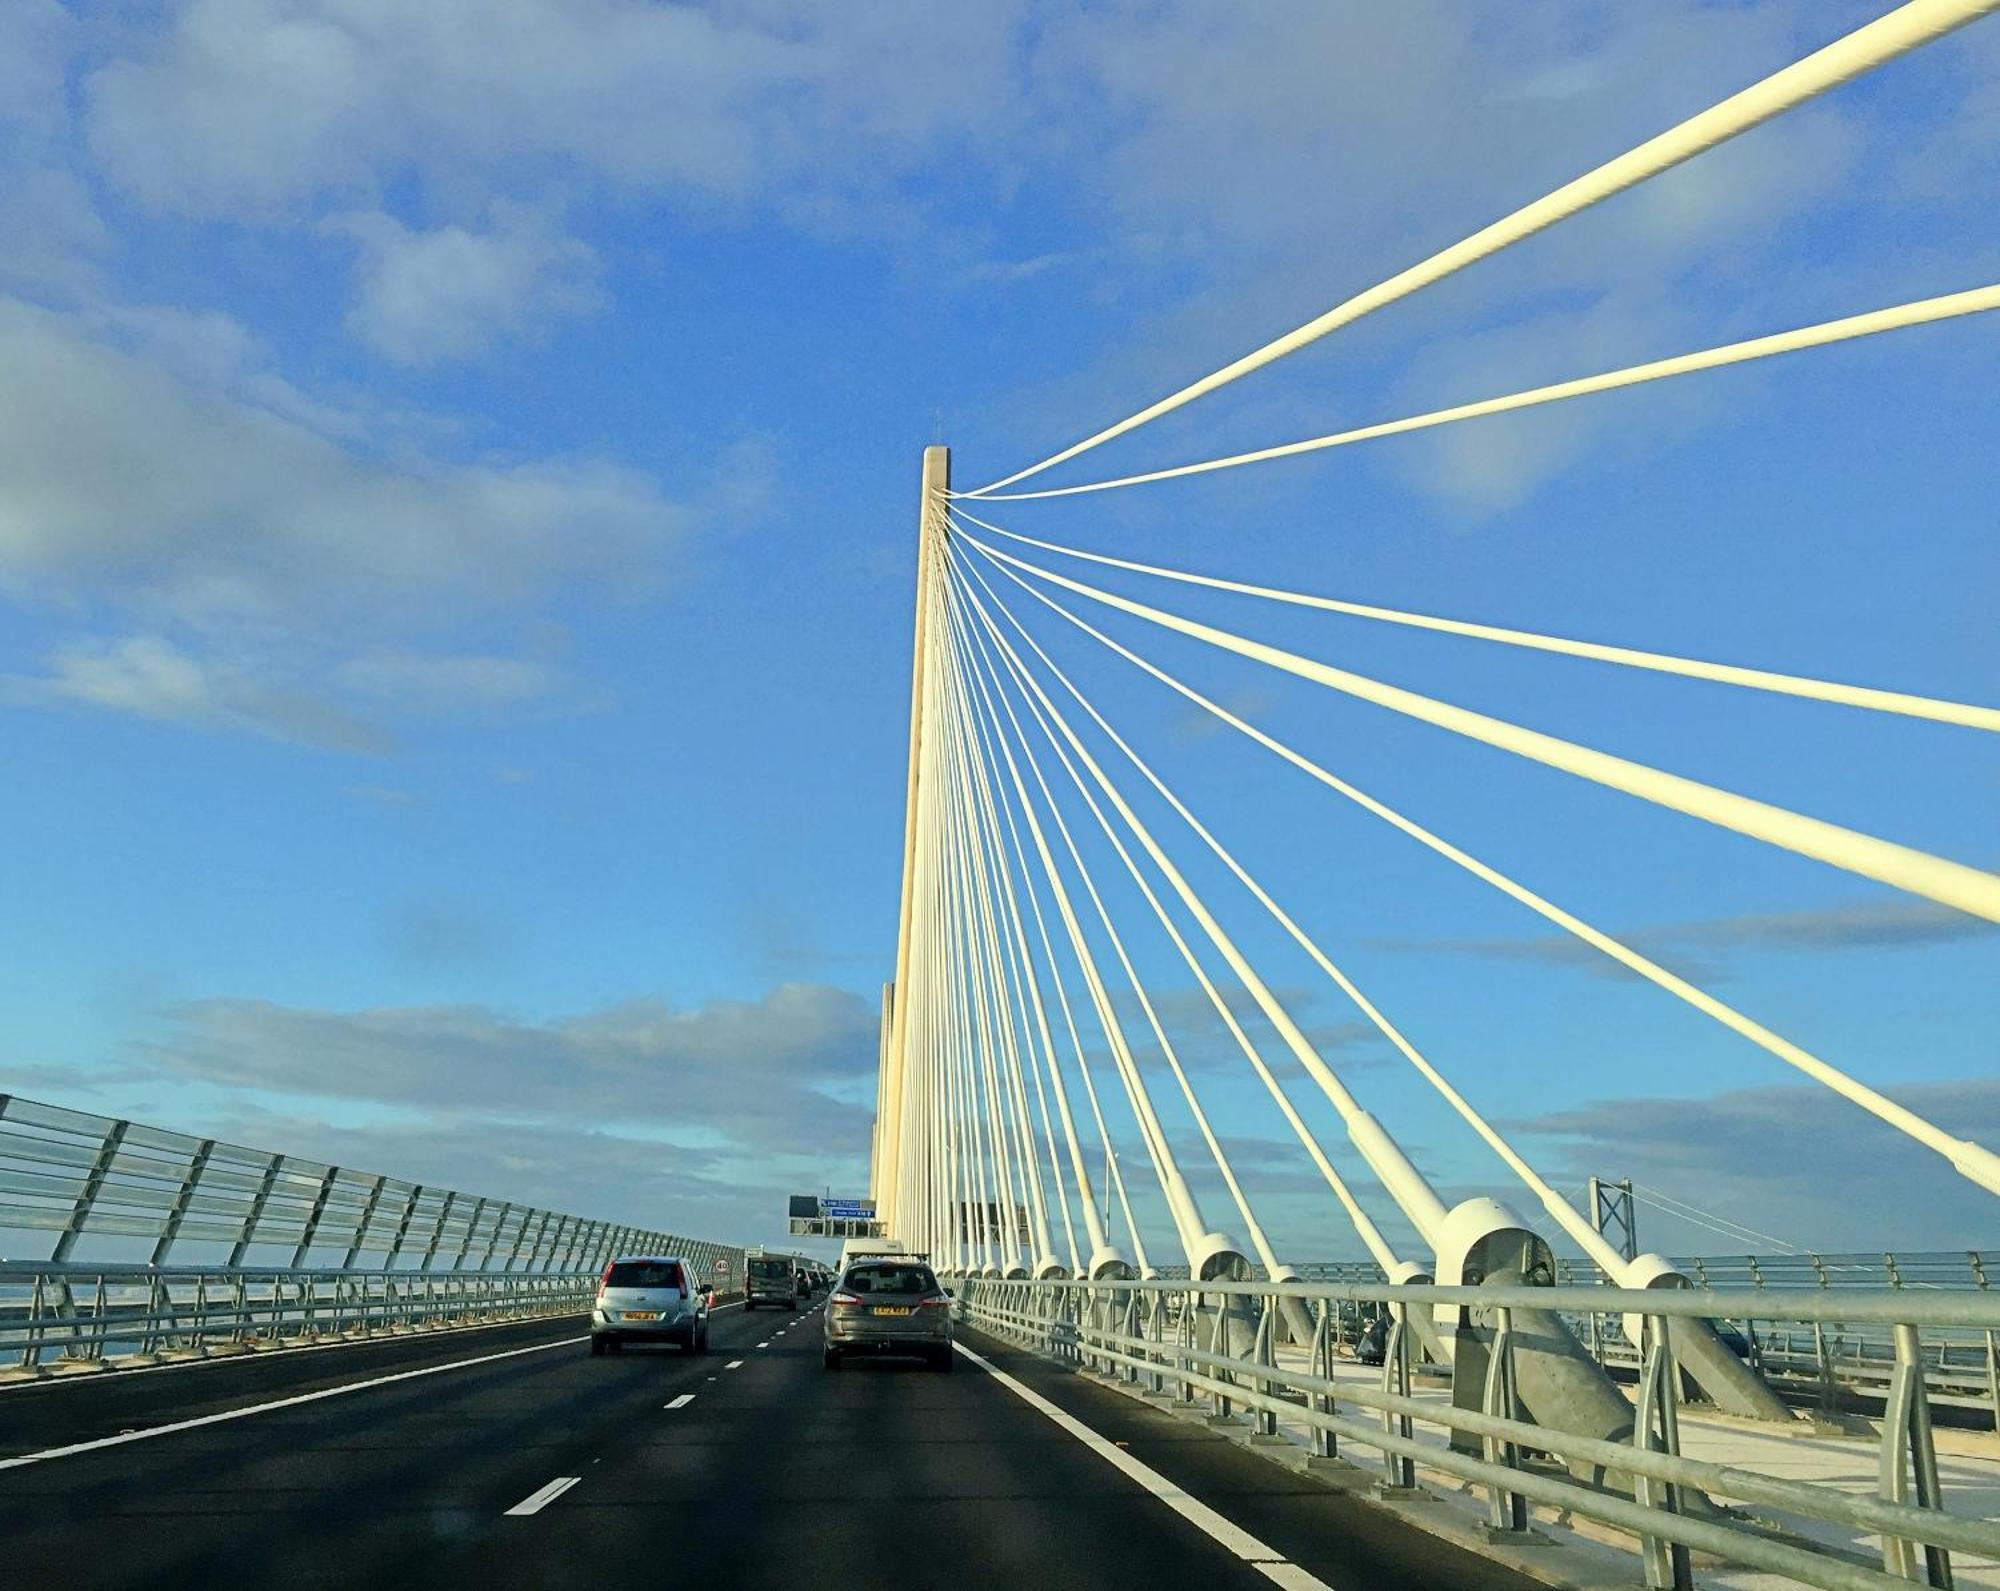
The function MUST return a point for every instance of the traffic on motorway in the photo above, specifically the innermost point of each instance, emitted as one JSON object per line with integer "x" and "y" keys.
{"x": 496, "y": 1457}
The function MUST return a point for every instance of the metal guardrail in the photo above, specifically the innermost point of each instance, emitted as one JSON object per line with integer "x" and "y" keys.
{"x": 1836, "y": 1365}
{"x": 124, "y": 1238}
{"x": 1153, "y": 1333}
{"x": 85, "y": 1314}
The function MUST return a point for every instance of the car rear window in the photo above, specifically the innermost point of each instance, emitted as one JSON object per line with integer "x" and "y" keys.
{"x": 644, "y": 1273}
{"x": 767, "y": 1268}
{"x": 913, "y": 1279}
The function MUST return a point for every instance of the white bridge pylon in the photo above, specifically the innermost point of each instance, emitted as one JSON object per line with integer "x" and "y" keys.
{"x": 1024, "y": 1054}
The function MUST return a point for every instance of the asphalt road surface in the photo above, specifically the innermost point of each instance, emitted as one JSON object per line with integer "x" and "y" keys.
{"x": 509, "y": 1458}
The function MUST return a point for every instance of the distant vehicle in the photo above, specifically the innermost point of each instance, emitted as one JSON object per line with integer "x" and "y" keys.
{"x": 650, "y": 1299}
{"x": 860, "y": 1248}
{"x": 770, "y": 1279}
{"x": 888, "y": 1305}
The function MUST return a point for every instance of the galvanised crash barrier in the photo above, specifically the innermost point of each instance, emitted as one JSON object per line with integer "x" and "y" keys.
{"x": 1174, "y": 1337}
{"x": 1831, "y": 1365}
{"x": 154, "y": 1242}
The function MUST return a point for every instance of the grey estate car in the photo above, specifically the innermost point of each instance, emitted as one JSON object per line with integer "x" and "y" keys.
{"x": 889, "y": 1305}
{"x": 650, "y": 1299}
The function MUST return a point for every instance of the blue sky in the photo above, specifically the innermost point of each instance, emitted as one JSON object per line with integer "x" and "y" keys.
{"x": 457, "y": 493}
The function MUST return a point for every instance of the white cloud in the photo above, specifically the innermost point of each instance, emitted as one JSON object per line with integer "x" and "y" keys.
{"x": 751, "y": 1073}
{"x": 116, "y": 472}
{"x": 285, "y": 565}
{"x": 149, "y": 677}
{"x": 1768, "y": 1156}
{"x": 433, "y": 684}
{"x": 1701, "y": 950}
{"x": 447, "y": 293}
{"x": 248, "y": 106}
{"x": 37, "y": 40}
{"x": 53, "y": 236}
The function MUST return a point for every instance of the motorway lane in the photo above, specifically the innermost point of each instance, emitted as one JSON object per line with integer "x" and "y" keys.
{"x": 74, "y": 1408}
{"x": 773, "y": 1471}
{"x": 367, "y": 1488}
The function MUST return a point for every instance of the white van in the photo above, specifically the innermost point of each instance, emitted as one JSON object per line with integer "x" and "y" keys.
{"x": 871, "y": 1248}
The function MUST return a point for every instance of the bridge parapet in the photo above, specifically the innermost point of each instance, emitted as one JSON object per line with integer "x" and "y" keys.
{"x": 126, "y": 1239}
{"x": 1671, "y": 1496}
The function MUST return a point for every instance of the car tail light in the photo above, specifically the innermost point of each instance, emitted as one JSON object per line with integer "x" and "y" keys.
{"x": 844, "y": 1299}
{"x": 604, "y": 1281}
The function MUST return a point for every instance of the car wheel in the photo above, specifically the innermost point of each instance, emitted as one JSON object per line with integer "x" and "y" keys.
{"x": 597, "y": 1347}
{"x": 943, "y": 1360}
{"x": 614, "y": 1345}
{"x": 830, "y": 1357}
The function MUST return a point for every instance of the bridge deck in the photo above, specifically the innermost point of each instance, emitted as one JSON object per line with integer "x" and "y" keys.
{"x": 774, "y": 1471}
{"x": 1968, "y": 1467}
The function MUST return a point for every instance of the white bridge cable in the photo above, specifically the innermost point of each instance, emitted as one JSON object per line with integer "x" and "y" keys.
{"x": 1973, "y": 1160}
{"x": 1095, "y": 1224}
{"x": 974, "y": 970}
{"x": 981, "y": 1049}
{"x": 1114, "y": 1178}
{"x": 1107, "y": 1020}
{"x": 1898, "y": 317}
{"x": 1963, "y": 714}
{"x": 1405, "y": 1184}
{"x": 1572, "y": 1220}
{"x": 1002, "y": 991}
{"x": 1967, "y": 889}
{"x": 1904, "y": 29}
{"x": 957, "y": 1049}
{"x": 980, "y": 1154}
{"x": 1025, "y": 986}
{"x": 1365, "y": 1226}
{"x": 1034, "y": 999}
{"x": 1254, "y": 1229}
{"x": 1180, "y": 1197}
{"x": 1187, "y": 1210}
{"x": 1016, "y": 1176}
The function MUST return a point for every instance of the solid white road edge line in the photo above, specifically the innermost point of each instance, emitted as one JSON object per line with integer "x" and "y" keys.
{"x": 223, "y": 1361}
{"x": 280, "y": 1403}
{"x": 1197, "y": 1513}
{"x": 536, "y": 1501}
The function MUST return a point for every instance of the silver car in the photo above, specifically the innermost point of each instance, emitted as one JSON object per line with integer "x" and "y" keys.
{"x": 889, "y": 1305}
{"x": 653, "y": 1298}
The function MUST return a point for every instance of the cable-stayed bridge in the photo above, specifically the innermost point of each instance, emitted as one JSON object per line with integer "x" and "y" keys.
{"x": 1499, "y": 1388}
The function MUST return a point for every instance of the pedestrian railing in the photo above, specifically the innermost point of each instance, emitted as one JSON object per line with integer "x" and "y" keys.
{"x": 1217, "y": 1344}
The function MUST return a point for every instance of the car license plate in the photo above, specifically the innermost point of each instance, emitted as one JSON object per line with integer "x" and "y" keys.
{"x": 642, "y": 1314}
{"x": 882, "y": 1309}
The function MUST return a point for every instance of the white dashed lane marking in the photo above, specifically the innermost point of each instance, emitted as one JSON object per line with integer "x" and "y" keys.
{"x": 536, "y": 1501}
{"x": 734, "y": 1364}
{"x": 684, "y": 1399}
